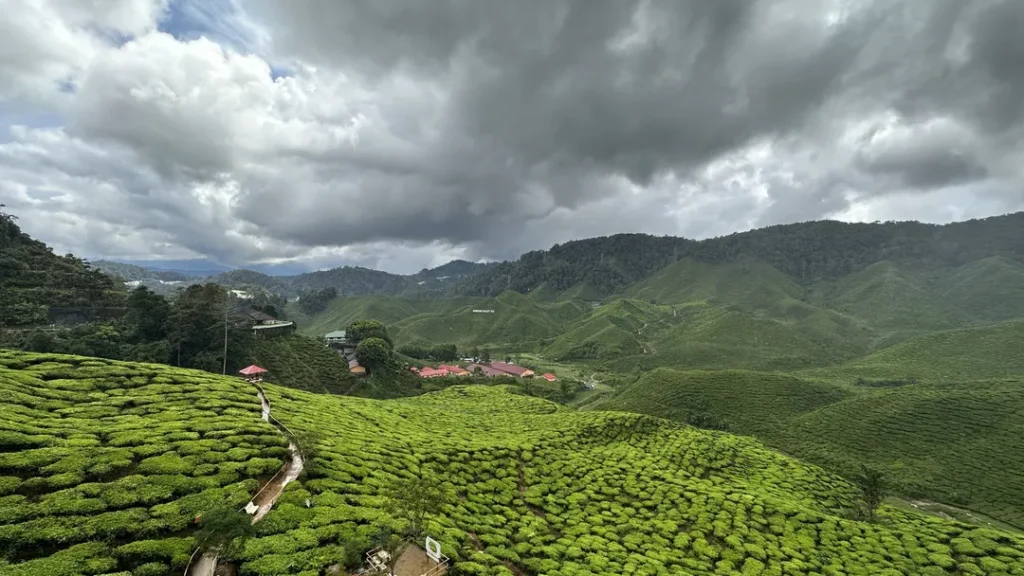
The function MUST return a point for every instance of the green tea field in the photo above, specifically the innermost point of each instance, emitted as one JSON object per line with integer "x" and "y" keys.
{"x": 104, "y": 465}
{"x": 955, "y": 443}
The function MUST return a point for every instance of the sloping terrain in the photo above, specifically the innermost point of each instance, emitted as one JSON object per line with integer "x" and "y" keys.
{"x": 950, "y": 356}
{"x": 516, "y": 320}
{"x": 345, "y": 309}
{"x": 304, "y": 363}
{"x": 535, "y": 489}
{"x": 734, "y": 400}
{"x": 39, "y": 287}
{"x": 104, "y": 465}
{"x": 957, "y": 443}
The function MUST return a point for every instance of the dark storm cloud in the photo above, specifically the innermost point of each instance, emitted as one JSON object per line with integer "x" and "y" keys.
{"x": 491, "y": 127}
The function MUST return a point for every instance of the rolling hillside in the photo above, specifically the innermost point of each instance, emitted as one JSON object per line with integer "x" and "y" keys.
{"x": 38, "y": 287}
{"x": 304, "y": 363}
{"x": 955, "y": 443}
{"x": 950, "y": 356}
{"x": 529, "y": 487}
{"x": 104, "y": 465}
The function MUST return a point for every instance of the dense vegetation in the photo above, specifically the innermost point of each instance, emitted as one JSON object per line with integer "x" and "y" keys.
{"x": 104, "y": 466}
{"x": 38, "y": 287}
{"x": 956, "y": 443}
{"x": 806, "y": 251}
{"x": 534, "y": 489}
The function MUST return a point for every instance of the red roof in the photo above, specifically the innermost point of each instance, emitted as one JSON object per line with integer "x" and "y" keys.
{"x": 252, "y": 369}
{"x": 508, "y": 368}
{"x": 428, "y": 372}
{"x": 549, "y": 377}
{"x": 487, "y": 370}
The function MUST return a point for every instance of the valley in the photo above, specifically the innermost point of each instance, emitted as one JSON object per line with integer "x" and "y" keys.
{"x": 717, "y": 408}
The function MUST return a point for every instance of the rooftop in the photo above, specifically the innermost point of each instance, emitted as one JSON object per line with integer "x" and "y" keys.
{"x": 336, "y": 335}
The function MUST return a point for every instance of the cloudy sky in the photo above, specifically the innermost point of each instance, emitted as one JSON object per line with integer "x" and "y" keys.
{"x": 397, "y": 134}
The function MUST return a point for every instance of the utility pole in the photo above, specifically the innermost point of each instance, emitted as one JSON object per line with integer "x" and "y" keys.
{"x": 227, "y": 298}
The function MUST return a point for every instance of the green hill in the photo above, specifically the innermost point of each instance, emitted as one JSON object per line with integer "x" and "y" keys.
{"x": 956, "y": 443}
{"x": 343, "y": 310}
{"x": 747, "y": 283}
{"x": 613, "y": 330}
{"x": 991, "y": 289}
{"x": 104, "y": 465}
{"x": 738, "y": 401}
{"x": 961, "y": 444}
{"x": 38, "y": 287}
{"x": 516, "y": 321}
{"x": 530, "y": 487}
{"x": 950, "y": 356}
{"x": 304, "y": 363}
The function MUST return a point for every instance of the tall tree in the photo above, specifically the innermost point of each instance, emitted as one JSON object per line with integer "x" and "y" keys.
{"x": 873, "y": 487}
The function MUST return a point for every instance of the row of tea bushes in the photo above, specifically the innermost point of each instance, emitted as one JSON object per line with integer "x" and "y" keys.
{"x": 104, "y": 465}
{"x": 534, "y": 488}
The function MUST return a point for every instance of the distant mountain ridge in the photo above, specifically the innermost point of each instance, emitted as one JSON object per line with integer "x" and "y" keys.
{"x": 806, "y": 251}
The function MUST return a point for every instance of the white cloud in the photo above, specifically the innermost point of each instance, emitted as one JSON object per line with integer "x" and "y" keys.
{"x": 400, "y": 141}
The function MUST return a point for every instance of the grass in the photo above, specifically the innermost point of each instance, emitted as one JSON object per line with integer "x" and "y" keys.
{"x": 104, "y": 465}
{"x": 531, "y": 487}
{"x": 962, "y": 444}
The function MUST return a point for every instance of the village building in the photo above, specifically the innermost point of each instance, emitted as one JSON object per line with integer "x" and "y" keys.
{"x": 485, "y": 369}
{"x": 549, "y": 377}
{"x": 512, "y": 369}
{"x": 263, "y": 322}
{"x": 336, "y": 339}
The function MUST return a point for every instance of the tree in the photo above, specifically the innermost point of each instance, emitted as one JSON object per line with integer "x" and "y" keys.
{"x": 474, "y": 352}
{"x": 873, "y": 487}
{"x": 147, "y": 315}
{"x": 485, "y": 355}
{"x": 528, "y": 386}
{"x": 375, "y": 354}
{"x": 566, "y": 387}
{"x": 225, "y": 529}
{"x": 508, "y": 359}
{"x": 413, "y": 499}
{"x": 384, "y": 538}
{"x": 363, "y": 329}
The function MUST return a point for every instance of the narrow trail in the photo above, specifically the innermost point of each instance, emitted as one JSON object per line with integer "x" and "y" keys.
{"x": 264, "y": 500}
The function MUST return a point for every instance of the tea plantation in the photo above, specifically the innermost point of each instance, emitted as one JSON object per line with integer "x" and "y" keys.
{"x": 534, "y": 488}
{"x": 959, "y": 443}
{"x": 104, "y": 465}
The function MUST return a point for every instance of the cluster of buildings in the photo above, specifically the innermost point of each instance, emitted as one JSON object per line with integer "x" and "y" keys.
{"x": 338, "y": 341}
{"x": 491, "y": 369}
{"x": 442, "y": 370}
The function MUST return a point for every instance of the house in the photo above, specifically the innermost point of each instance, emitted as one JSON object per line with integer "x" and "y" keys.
{"x": 512, "y": 369}
{"x": 355, "y": 368}
{"x": 261, "y": 322}
{"x": 549, "y": 377}
{"x": 454, "y": 370}
{"x": 428, "y": 372}
{"x": 485, "y": 370}
{"x": 336, "y": 339}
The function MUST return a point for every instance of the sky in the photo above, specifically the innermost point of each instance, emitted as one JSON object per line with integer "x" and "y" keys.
{"x": 399, "y": 135}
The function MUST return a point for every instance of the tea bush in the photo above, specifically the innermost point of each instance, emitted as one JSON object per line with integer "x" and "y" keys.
{"x": 104, "y": 465}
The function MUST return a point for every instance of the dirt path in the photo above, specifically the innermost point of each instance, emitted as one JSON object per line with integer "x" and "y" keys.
{"x": 264, "y": 500}
{"x": 205, "y": 565}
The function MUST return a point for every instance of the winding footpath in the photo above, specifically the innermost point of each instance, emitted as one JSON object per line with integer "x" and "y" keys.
{"x": 264, "y": 500}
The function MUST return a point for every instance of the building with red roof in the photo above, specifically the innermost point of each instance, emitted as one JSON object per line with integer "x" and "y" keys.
{"x": 549, "y": 377}
{"x": 512, "y": 369}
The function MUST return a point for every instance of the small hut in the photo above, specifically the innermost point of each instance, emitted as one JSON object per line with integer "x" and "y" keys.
{"x": 252, "y": 373}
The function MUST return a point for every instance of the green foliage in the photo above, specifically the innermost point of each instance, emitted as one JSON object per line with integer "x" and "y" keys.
{"x": 873, "y": 488}
{"x": 224, "y": 529}
{"x": 304, "y": 363}
{"x": 376, "y": 355}
{"x": 38, "y": 287}
{"x": 363, "y": 329}
{"x": 316, "y": 300}
{"x": 957, "y": 443}
{"x": 105, "y": 465}
{"x": 414, "y": 499}
{"x": 528, "y": 486}
{"x": 439, "y": 353}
